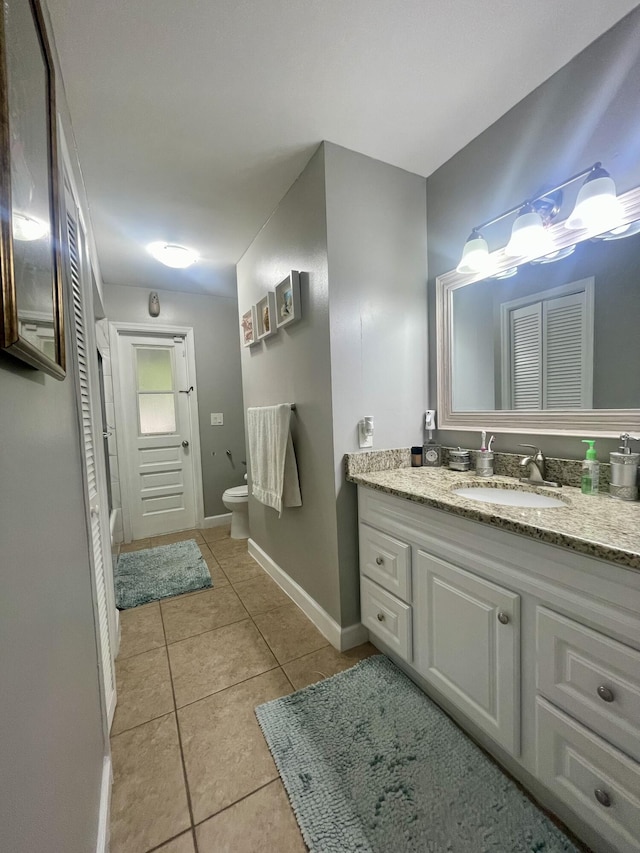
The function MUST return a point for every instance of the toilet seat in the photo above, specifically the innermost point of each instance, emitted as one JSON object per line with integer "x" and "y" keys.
{"x": 237, "y": 492}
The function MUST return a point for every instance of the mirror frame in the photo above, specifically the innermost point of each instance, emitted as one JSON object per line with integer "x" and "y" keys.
{"x": 596, "y": 422}
{"x": 10, "y": 340}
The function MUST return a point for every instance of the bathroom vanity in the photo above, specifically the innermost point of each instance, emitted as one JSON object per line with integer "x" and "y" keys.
{"x": 524, "y": 624}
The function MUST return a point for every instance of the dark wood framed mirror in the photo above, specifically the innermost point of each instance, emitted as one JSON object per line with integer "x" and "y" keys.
{"x": 31, "y": 310}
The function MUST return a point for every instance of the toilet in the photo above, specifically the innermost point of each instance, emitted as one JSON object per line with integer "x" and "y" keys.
{"x": 236, "y": 500}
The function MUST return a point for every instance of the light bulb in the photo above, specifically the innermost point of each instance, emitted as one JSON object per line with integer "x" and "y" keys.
{"x": 475, "y": 255}
{"x": 529, "y": 238}
{"x": 172, "y": 255}
{"x": 27, "y": 228}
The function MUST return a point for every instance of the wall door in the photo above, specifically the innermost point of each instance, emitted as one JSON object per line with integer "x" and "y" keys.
{"x": 81, "y": 326}
{"x": 155, "y": 452}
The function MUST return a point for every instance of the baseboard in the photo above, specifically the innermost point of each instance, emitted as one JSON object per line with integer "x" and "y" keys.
{"x": 340, "y": 638}
{"x": 216, "y": 520}
{"x": 102, "y": 844}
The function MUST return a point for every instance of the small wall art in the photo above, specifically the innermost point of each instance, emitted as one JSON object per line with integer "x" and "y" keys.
{"x": 248, "y": 327}
{"x": 288, "y": 300}
{"x": 266, "y": 316}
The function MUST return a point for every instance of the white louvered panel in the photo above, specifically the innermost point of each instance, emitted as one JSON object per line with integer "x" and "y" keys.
{"x": 80, "y": 339}
{"x": 564, "y": 355}
{"x": 526, "y": 357}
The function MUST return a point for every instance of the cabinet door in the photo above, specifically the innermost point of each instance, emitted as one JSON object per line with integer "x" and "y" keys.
{"x": 468, "y": 645}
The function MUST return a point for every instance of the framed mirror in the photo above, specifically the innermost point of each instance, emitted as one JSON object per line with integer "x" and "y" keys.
{"x": 31, "y": 312}
{"x": 546, "y": 347}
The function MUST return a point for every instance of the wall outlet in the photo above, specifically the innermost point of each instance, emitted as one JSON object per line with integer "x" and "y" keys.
{"x": 217, "y": 419}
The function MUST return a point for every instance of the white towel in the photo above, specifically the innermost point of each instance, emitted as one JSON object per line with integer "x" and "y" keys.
{"x": 274, "y": 471}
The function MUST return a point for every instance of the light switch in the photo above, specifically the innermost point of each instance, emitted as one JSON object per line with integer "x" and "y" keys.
{"x": 217, "y": 419}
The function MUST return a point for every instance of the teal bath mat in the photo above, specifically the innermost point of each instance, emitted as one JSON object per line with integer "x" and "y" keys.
{"x": 372, "y": 765}
{"x": 143, "y": 576}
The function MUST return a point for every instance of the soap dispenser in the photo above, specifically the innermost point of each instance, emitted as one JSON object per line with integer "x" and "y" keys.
{"x": 624, "y": 470}
{"x": 590, "y": 480}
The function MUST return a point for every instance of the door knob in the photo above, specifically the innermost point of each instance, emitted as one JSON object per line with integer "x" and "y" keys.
{"x": 602, "y": 797}
{"x": 379, "y": 561}
{"x": 185, "y": 443}
{"x": 503, "y": 618}
{"x": 380, "y": 617}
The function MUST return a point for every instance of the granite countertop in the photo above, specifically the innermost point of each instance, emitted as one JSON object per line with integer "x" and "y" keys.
{"x": 596, "y": 525}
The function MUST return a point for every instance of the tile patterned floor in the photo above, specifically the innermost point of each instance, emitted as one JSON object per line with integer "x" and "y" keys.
{"x": 192, "y": 771}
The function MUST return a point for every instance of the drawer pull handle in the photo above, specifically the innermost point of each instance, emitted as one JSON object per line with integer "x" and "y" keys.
{"x": 380, "y": 617}
{"x": 379, "y": 561}
{"x": 602, "y": 797}
{"x": 605, "y": 693}
{"x": 503, "y": 618}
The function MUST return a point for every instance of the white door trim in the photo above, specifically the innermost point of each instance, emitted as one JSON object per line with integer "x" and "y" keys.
{"x": 115, "y": 331}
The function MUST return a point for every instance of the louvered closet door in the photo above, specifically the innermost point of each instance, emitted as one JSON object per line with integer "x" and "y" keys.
{"x": 526, "y": 357}
{"x": 81, "y": 337}
{"x": 566, "y": 361}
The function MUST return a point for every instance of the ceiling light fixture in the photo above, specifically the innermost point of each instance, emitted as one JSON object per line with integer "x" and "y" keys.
{"x": 27, "y": 228}
{"x": 597, "y": 209}
{"x": 172, "y": 255}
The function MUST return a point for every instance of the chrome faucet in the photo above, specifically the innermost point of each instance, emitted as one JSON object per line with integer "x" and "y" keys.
{"x": 536, "y": 466}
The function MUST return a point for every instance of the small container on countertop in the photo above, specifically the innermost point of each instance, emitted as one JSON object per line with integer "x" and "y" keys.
{"x": 624, "y": 471}
{"x": 484, "y": 463}
{"x": 416, "y": 457}
{"x": 459, "y": 460}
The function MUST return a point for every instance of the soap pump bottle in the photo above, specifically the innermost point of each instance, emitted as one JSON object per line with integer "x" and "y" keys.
{"x": 590, "y": 479}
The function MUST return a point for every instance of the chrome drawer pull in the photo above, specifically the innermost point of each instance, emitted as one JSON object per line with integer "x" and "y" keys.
{"x": 503, "y": 617}
{"x": 602, "y": 797}
{"x": 379, "y": 561}
{"x": 605, "y": 693}
{"x": 380, "y": 617}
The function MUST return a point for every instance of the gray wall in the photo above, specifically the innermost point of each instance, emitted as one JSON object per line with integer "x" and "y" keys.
{"x": 588, "y": 111}
{"x": 219, "y": 380}
{"x": 357, "y": 228}
{"x": 376, "y": 235}
{"x": 294, "y": 366}
{"x": 51, "y": 734}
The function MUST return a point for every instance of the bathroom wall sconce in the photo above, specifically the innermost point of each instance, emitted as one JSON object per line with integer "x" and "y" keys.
{"x": 365, "y": 432}
{"x": 597, "y": 211}
{"x": 154, "y": 305}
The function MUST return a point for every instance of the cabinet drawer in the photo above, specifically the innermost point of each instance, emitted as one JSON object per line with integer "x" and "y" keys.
{"x": 594, "y": 779}
{"x": 386, "y": 560}
{"x": 386, "y": 617}
{"x": 594, "y": 678}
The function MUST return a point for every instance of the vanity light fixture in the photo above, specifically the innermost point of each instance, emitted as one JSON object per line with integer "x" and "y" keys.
{"x": 475, "y": 255}
{"x": 172, "y": 255}
{"x": 597, "y": 207}
{"x": 597, "y": 210}
{"x": 27, "y": 228}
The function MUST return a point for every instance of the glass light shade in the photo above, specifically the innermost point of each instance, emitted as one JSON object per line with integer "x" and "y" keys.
{"x": 172, "y": 255}
{"x": 597, "y": 206}
{"x": 621, "y": 232}
{"x": 475, "y": 255}
{"x": 529, "y": 239}
{"x": 27, "y": 228}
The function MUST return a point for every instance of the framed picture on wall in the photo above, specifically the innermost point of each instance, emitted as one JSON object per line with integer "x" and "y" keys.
{"x": 266, "y": 316}
{"x": 248, "y": 327}
{"x": 288, "y": 300}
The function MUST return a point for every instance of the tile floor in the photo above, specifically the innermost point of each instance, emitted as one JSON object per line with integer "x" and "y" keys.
{"x": 192, "y": 771}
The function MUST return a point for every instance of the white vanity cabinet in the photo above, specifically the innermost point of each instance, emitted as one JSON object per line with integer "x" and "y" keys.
{"x": 467, "y": 644}
{"x": 535, "y": 649}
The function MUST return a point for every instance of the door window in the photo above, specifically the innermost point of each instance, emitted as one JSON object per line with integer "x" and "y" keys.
{"x": 155, "y": 390}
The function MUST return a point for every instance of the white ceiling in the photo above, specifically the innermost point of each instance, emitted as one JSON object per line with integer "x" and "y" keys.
{"x": 193, "y": 117}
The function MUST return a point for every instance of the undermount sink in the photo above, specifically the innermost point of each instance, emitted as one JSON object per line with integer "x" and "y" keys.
{"x": 508, "y": 497}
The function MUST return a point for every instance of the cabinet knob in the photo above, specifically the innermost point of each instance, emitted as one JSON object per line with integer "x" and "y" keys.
{"x": 503, "y": 618}
{"x": 605, "y": 693}
{"x": 380, "y": 617}
{"x": 379, "y": 561}
{"x": 602, "y": 797}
